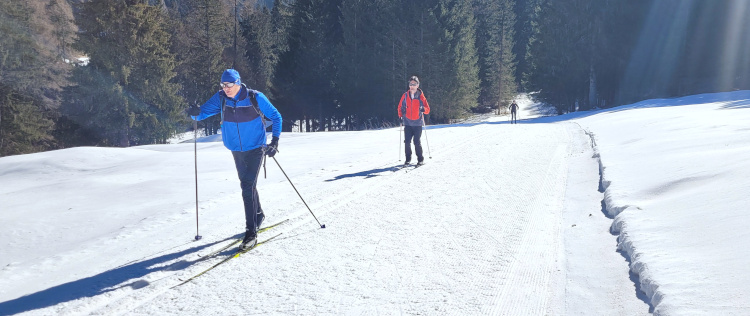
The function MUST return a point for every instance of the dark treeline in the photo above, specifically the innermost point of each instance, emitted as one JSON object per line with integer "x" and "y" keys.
{"x": 343, "y": 64}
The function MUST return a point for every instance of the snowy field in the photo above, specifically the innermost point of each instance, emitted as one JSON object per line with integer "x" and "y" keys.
{"x": 627, "y": 211}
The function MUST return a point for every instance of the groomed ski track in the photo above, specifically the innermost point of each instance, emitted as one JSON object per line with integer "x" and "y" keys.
{"x": 435, "y": 240}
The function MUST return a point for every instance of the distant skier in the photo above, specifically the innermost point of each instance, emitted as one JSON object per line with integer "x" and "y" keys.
{"x": 244, "y": 133}
{"x": 513, "y": 109}
{"x": 411, "y": 110}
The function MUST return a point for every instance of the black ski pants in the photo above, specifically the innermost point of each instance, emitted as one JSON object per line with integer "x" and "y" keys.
{"x": 513, "y": 119}
{"x": 248, "y": 167}
{"x": 416, "y": 133}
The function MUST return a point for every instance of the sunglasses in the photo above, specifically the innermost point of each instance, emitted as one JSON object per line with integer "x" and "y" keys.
{"x": 411, "y": 84}
{"x": 227, "y": 84}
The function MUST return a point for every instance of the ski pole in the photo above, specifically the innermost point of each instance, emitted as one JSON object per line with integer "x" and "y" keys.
{"x": 400, "y": 129}
{"x": 300, "y": 196}
{"x": 195, "y": 151}
{"x": 424, "y": 128}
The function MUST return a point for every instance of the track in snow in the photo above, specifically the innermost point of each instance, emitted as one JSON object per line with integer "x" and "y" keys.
{"x": 438, "y": 239}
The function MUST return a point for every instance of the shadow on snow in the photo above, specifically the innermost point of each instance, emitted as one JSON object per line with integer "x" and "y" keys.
{"x": 365, "y": 174}
{"x": 103, "y": 282}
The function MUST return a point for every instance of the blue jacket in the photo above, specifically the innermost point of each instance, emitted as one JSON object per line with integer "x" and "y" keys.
{"x": 242, "y": 128}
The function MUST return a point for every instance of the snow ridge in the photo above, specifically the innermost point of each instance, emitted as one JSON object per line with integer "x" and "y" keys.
{"x": 618, "y": 212}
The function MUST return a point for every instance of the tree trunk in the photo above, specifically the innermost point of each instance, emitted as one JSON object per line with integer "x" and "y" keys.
{"x": 592, "y": 88}
{"x": 124, "y": 141}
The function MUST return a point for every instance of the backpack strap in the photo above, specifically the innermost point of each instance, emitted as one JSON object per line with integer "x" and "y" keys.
{"x": 252, "y": 95}
{"x": 223, "y": 103}
{"x": 403, "y": 104}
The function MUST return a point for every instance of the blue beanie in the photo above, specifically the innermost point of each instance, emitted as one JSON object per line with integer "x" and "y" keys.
{"x": 231, "y": 75}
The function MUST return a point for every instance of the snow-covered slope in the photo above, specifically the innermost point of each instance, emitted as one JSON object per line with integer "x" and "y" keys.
{"x": 676, "y": 177}
{"x": 503, "y": 219}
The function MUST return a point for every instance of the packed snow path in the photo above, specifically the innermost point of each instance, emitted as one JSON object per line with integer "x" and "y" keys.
{"x": 486, "y": 227}
{"x": 437, "y": 239}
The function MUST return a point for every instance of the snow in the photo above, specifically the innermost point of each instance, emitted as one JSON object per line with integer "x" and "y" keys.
{"x": 626, "y": 211}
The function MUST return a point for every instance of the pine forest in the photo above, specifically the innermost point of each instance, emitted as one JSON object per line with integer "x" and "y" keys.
{"x": 122, "y": 72}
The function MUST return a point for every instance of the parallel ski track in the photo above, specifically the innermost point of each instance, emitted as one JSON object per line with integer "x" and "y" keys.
{"x": 231, "y": 256}
{"x": 125, "y": 303}
{"x": 119, "y": 301}
{"x": 531, "y": 271}
{"x": 499, "y": 260}
{"x": 502, "y": 259}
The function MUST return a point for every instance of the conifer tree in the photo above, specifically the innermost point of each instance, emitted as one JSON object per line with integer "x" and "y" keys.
{"x": 364, "y": 80}
{"x": 125, "y": 95}
{"x": 558, "y": 66}
{"x": 257, "y": 29}
{"x": 63, "y": 28}
{"x": 24, "y": 128}
{"x": 455, "y": 83}
{"x": 308, "y": 69}
{"x": 205, "y": 33}
{"x": 573, "y": 60}
{"x": 527, "y": 13}
{"x": 281, "y": 19}
{"x": 25, "y": 124}
{"x": 495, "y": 43}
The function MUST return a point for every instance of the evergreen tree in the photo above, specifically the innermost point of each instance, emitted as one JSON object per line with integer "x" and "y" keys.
{"x": 25, "y": 124}
{"x": 125, "y": 95}
{"x": 308, "y": 69}
{"x": 455, "y": 83}
{"x": 527, "y": 13}
{"x": 257, "y": 29}
{"x": 62, "y": 26}
{"x": 24, "y": 128}
{"x": 688, "y": 47}
{"x": 206, "y": 30}
{"x": 495, "y": 42}
{"x": 558, "y": 68}
{"x": 281, "y": 19}
{"x": 364, "y": 82}
{"x": 579, "y": 51}
{"x": 614, "y": 36}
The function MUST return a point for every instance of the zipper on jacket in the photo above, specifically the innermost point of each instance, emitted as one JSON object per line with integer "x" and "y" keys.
{"x": 239, "y": 135}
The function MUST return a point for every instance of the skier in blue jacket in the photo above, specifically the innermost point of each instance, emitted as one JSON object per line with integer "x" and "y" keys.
{"x": 243, "y": 131}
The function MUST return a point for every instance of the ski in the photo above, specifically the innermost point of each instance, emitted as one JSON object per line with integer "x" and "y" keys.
{"x": 272, "y": 226}
{"x": 238, "y": 240}
{"x": 414, "y": 167}
{"x": 235, "y": 255}
{"x": 401, "y": 167}
{"x": 406, "y": 167}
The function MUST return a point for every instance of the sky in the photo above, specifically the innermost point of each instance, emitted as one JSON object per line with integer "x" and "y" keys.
{"x": 634, "y": 210}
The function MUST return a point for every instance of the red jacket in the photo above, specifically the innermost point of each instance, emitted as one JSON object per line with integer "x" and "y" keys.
{"x": 408, "y": 108}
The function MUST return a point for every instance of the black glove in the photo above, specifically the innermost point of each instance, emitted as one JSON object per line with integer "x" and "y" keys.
{"x": 273, "y": 147}
{"x": 193, "y": 110}
{"x": 421, "y": 108}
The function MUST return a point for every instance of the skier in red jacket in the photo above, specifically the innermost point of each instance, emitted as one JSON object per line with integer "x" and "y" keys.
{"x": 411, "y": 110}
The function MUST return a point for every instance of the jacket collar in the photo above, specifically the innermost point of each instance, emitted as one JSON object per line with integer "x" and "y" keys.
{"x": 241, "y": 95}
{"x": 416, "y": 94}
